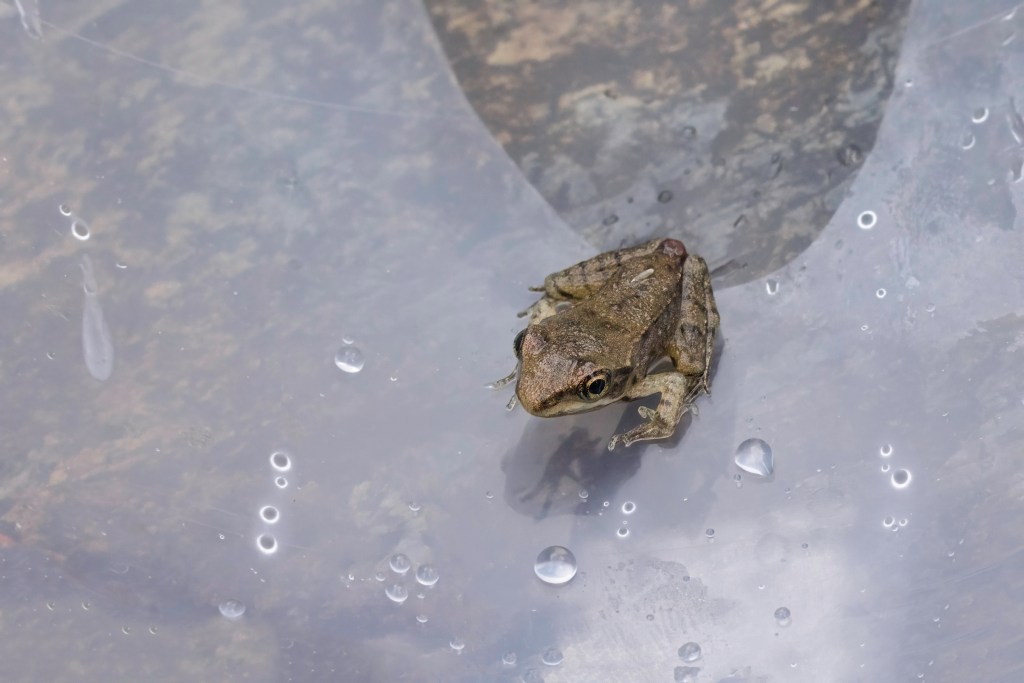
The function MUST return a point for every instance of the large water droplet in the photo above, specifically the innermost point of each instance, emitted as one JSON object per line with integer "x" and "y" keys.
{"x": 782, "y": 616}
{"x": 901, "y": 478}
{"x": 396, "y": 592}
{"x": 555, "y": 565}
{"x": 552, "y": 656}
{"x": 628, "y": 508}
{"x": 755, "y": 456}
{"x": 690, "y": 652}
{"x": 426, "y": 575}
{"x": 399, "y": 563}
{"x": 349, "y": 359}
{"x": 232, "y": 609}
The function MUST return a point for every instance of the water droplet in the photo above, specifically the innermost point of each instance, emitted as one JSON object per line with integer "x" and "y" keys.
{"x": 552, "y": 657}
{"x": 80, "y": 229}
{"x": 414, "y": 506}
{"x": 967, "y": 140}
{"x": 628, "y": 508}
{"x": 888, "y": 522}
{"x": 86, "y": 606}
{"x": 269, "y": 514}
{"x": 120, "y": 265}
{"x": 665, "y": 196}
{"x": 782, "y": 616}
{"x": 886, "y": 450}
{"x": 280, "y": 482}
{"x": 349, "y": 359}
{"x": 851, "y": 155}
{"x": 709, "y": 532}
{"x": 771, "y": 286}
{"x": 280, "y": 461}
{"x": 880, "y": 292}
{"x": 232, "y": 609}
{"x": 421, "y": 618}
{"x": 393, "y": 378}
{"x": 380, "y": 577}
{"x": 885, "y": 467}
{"x": 901, "y": 479}
{"x": 426, "y": 575}
{"x": 97, "y": 343}
{"x": 1017, "y": 169}
{"x": 457, "y": 644}
{"x": 153, "y": 630}
{"x": 866, "y": 220}
{"x": 509, "y": 658}
{"x": 399, "y": 563}
{"x": 980, "y": 115}
{"x": 755, "y": 456}
{"x": 488, "y": 495}
{"x": 345, "y": 339}
{"x": 690, "y": 652}
{"x": 64, "y": 210}
{"x": 266, "y": 543}
{"x": 739, "y": 480}
{"x": 623, "y": 532}
{"x": 396, "y": 592}
{"x": 51, "y": 605}
{"x": 689, "y": 132}
{"x": 126, "y": 630}
{"x": 28, "y": 11}
{"x": 686, "y": 674}
{"x": 903, "y": 522}
{"x": 610, "y": 219}
{"x": 555, "y": 565}
{"x": 605, "y": 504}
{"x": 584, "y": 494}
{"x": 930, "y": 308}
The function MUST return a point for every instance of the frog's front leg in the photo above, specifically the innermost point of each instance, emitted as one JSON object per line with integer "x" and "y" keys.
{"x": 676, "y": 391}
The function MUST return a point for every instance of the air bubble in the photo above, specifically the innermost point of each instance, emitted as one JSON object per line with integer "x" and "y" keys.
{"x": 397, "y": 593}
{"x": 901, "y": 479}
{"x": 555, "y": 565}
{"x": 266, "y": 543}
{"x": 232, "y": 610}
{"x": 782, "y": 616}
{"x": 399, "y": 563}
{"x": 426, "y": 575}
{"x": 269, "y": 514}
{"x": 349, "y": 359}
{"x": 866, "y": 220}
{"x": 690, "y": 652}
{"x": 280, "y": 461}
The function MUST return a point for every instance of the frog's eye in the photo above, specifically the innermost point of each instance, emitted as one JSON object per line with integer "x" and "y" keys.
{"x": 517, "y": 344}
{"x": 595, "y": 386}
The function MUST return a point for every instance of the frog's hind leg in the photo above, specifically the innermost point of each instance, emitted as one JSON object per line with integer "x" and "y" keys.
{"x": 692, "y": 346}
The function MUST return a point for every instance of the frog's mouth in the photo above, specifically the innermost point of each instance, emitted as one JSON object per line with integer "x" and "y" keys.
{"x": 560, "y": 405}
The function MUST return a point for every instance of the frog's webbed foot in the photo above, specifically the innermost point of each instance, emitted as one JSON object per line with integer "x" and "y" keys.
{"x": 677, "y": 396}
{"x": 544, "y": 307}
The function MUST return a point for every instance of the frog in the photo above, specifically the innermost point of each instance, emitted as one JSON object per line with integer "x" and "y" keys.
{"x": 603, "y": 324}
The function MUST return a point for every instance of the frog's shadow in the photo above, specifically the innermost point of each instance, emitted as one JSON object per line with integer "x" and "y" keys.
{"x": 563, "y": 465}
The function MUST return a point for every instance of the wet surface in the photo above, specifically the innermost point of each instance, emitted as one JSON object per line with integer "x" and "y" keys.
{"x": 736, "y": 127}
{"x": 268, "y": 188}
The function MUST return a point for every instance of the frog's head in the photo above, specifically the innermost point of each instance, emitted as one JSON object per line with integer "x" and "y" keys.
{"x": 563, "y": 378}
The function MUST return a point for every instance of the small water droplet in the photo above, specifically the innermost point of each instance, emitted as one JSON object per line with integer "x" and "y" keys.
{"x": 86, "y": 606}
{"x": 665, "y": 196}
{"x": 65, "y": 210}
{"x": 426, "y": 575}
{"x": 623, "y": 532}
{"x": 709, "y": 532}
{"x": 126, "y": 630}
{"x": 349, "y": 359}
{"x": 628, "y": 508}
{"x": 782, "y": 616}
{"x": 345, "y": 339}
{"x": 399, "y": 563}
{"x": 755, "y": 456}
{"x": 888, "y": 522}
{"x": 414, "y": 506}
{"x": 880, "y": 292}
{"x": 120, "y": 265}
{"x": 552, "y": 657}
{"x": 903, "y": 522}
{"x": 421, "y": 618}
{"x": 967, "y": 140}
{"x": 555, "y": 565}
{"x": 886, "y": 450}
{"x": 80, "y": 229}
{"x": 266, "y": 543}
{"x": 509, "y": 658}
{"x": 690, "y": 652}
{"x": 380, "y": 577}
{"x": 610, "y": 219}
{"x": 457, "y": 644}
{"x": 488, "y": 495}
{"x": 605, "y": 504}
{"x": 686, "y": 674}
{"x": 930, "y": 308}
{"x": 908, "y": 83}
{"x": 980, "y": 115}
{"x": 51, "y": 605}
{"x": 153, "y": 630}
{"x": 396, "y": 592}
{"x": 771, "y": 286}
{"x": 584, "y": 494}
{"x": 866, "y": 220}
{"x": 901, "y": 478}
{"x": 885, "y": 467}
{"x": 269, "y": 514}
{"x": 281, "y": 461}
{"x": 51, "y": 355}
{"x": 280, "y": 482}
{"x": 232, "y": 610}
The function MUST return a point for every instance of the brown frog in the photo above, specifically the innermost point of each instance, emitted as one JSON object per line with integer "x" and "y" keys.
{"x": 604, "y": 322}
